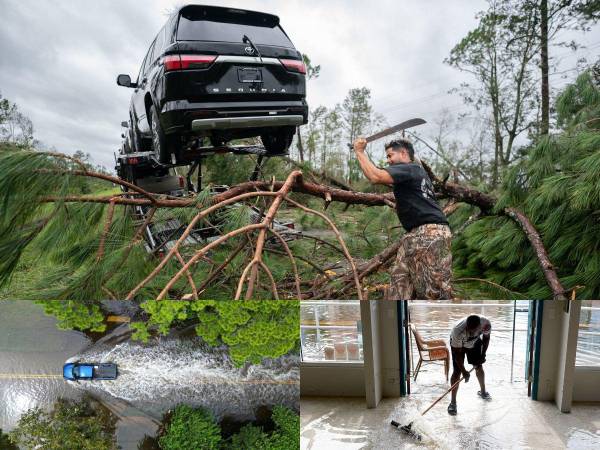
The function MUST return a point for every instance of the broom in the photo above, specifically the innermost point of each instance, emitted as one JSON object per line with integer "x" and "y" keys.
{"x": 408, "y": 428}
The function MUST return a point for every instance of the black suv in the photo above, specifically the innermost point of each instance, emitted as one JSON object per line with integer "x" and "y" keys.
{"x": 216, "y": 74}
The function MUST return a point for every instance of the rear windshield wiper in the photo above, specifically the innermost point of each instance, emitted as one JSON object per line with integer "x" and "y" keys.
{"x": 246, "y": 40}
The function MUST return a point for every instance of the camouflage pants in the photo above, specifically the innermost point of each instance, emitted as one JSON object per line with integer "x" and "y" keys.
{"x": 423, "y": 268}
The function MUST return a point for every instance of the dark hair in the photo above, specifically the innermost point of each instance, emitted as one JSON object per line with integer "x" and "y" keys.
{"x": 402, "y": 144}
{"x": 473, "y": 322}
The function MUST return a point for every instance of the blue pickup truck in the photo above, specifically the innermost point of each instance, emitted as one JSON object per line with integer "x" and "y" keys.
{"x": 90, "y": 371}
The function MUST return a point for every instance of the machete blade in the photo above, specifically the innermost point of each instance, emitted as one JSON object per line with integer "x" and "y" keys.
{"x": 401, "y": 126}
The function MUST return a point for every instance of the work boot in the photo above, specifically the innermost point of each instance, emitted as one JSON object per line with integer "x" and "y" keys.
{"x": 452, "y": 409}
{"x": 484, "y": 395}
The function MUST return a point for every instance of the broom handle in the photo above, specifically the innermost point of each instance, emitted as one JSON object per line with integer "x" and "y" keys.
{"x": 446, "y": 393}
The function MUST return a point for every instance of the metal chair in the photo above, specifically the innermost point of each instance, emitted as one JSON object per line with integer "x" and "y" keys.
{"x": 431, "y": 351}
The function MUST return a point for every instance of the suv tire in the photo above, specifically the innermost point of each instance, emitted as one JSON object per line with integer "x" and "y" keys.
{"x": 278, "y": 142}
{"x": 161, "y": 143}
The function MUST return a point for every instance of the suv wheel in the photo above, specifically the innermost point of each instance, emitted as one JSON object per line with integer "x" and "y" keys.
{"x": 277, "y": 142}
{"x": 161, "y": 144}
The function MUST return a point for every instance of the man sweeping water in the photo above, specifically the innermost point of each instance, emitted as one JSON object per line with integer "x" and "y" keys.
{"x": 470, "y": 337}
{"x": 423, "y": 268}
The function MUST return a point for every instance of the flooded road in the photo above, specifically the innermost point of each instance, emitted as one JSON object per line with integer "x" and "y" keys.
{"x": 158, "y": 376}
{"x": 32, "y": 353}
{"x": 153, "y": 377}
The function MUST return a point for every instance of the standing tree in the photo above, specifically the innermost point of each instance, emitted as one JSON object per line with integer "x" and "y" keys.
{"x": 357, "y": 115}
{"x": 553, "y": 17}
{"x": 503, "y": 68}
{"x": 331, "y": 131}
{"x": 15, "y": 127}
{"x": 312, "y": 72}
{"x": 313, "y": 136}
{"x": 556, "y": 16}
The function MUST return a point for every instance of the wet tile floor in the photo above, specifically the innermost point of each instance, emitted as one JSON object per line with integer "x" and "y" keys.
{"x": 510, "y": 420}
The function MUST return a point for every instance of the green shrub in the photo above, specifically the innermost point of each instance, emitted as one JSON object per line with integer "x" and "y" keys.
{"x": 251, "y": 330}
{"x": 191, "y": 428}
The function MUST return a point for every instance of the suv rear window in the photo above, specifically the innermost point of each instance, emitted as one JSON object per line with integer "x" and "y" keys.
{"x": 222, "y": 25}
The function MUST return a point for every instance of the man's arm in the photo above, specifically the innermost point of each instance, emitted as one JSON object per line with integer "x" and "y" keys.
{"x": 486, "y": 342}
{"x": 374, "y": 174}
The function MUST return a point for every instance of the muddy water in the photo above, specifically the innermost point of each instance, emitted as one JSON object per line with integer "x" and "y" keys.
{"x": 162, "y": 374}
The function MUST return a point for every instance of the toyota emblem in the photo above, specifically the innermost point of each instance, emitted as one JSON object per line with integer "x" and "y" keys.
{"x": 249, "y": 50}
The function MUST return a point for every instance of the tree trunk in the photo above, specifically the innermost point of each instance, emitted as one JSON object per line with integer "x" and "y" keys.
{"x": 545, "y": 123}
{"x": 299, "y": 145}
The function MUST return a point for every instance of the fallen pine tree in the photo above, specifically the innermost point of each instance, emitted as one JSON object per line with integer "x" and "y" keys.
{"x": 33, "y": 215}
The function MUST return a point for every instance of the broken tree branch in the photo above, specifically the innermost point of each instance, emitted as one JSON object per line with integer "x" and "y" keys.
{"x": 266, "y": 223}
{"x": 292, "y": 260}
{"x": 340, "y": 240}
{"x": 558, "y": 292}
{"x": 365, "y": 269}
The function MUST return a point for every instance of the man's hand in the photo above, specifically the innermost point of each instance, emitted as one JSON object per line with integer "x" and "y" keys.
{"x": 360, "y": 144}
{"x": 466, "y": 375}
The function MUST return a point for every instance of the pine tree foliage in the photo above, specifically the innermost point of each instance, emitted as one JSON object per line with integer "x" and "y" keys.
{"x": 557, "y": 186}
{"x": 51, "y": 250}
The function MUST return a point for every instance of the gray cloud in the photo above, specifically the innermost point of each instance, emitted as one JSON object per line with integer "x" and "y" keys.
{"x": 59, "y": 60}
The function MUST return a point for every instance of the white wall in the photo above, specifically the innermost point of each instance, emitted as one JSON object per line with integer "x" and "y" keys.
{"x": 332, "y": 379}
{"x": 549, "y": 350}
{"x": 586, "y": 385}
{"x": 388, "y": 343}
{"x": 566, "y": 361}
{"x": 557, "y": 353}
{"x": 369, "y": 313}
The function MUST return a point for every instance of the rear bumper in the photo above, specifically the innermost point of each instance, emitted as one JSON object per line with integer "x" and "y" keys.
{"x": 246, "y": 122}
{"x": 182, "y": 116}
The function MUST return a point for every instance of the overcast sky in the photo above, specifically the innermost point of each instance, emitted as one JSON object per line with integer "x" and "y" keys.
{"x": 59, "y": 60}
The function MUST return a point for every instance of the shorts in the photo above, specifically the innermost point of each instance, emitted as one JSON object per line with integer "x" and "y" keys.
{"x": 423, "y": 267}
{"x": 474, "y": 355}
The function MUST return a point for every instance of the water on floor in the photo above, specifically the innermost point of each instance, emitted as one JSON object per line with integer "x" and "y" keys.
{"x": 509, "y": 420}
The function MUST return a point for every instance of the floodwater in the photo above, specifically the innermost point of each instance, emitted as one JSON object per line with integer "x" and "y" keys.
{"x": 158, "y": 376}
{"x": 153, "y": 377}
{"x": 509, "y": 421}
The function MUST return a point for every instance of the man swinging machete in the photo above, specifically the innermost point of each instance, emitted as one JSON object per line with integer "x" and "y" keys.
{"x": 423, "y": 267}
{"x": 470, "y": 337}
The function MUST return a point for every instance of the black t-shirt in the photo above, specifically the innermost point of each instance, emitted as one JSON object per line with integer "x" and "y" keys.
{"x": 415, "y": 199}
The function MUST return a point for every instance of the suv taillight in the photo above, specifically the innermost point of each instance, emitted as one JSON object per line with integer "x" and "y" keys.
{"x": 293, "y": 65}
{"x": 179, "y": 62}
